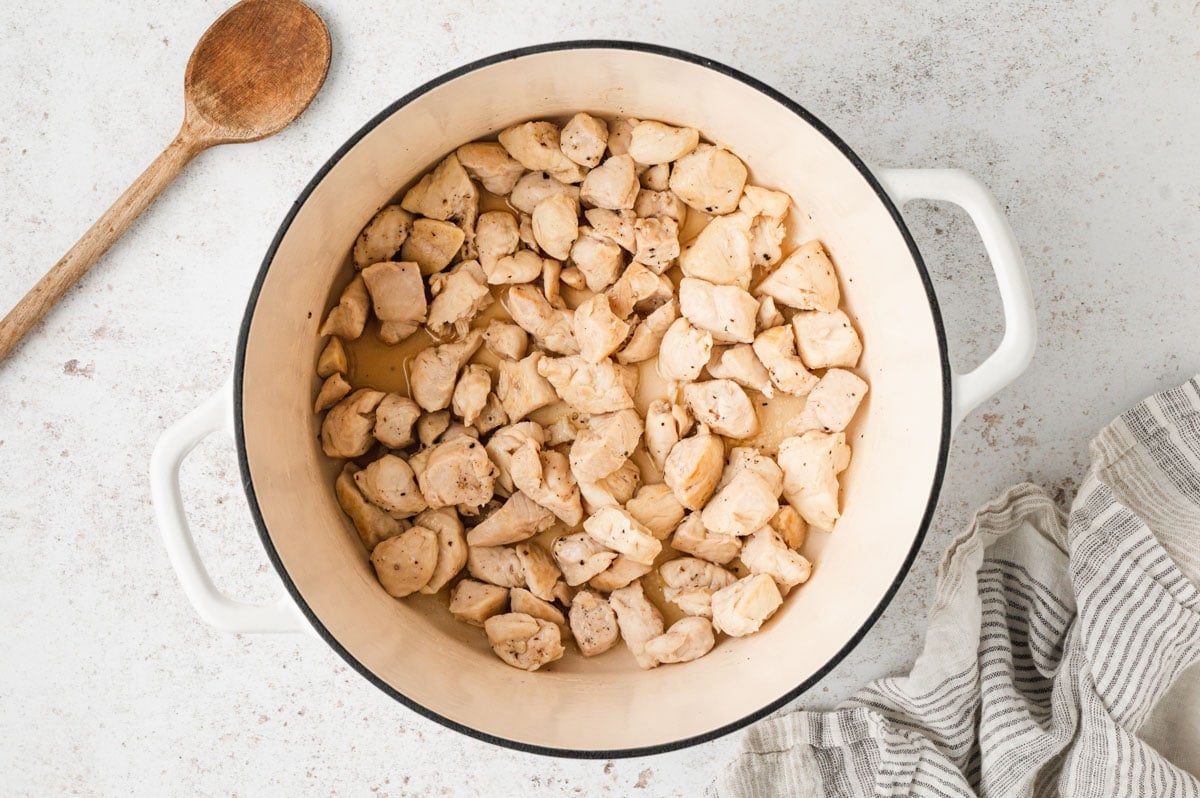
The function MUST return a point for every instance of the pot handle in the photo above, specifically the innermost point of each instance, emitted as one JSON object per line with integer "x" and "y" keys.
{"x": 176, "y": 443}
{"x": 1016, "y": 349}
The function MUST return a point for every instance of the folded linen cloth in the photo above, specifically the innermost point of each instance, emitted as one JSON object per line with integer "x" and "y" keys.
{"x": 1051, "y": 645}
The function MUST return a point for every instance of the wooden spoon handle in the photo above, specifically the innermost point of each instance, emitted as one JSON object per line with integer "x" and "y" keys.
{"x": 96, "y": 241}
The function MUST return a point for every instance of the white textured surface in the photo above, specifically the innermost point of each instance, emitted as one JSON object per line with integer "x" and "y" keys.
{"x": 1082, "y": 121}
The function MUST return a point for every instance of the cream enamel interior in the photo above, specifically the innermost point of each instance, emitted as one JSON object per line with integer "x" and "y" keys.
{"x": 581, "y": 705}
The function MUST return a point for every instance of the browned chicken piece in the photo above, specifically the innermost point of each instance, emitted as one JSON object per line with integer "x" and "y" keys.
{"x": 657, "y": 243}
{"x": 622, "y": 572}
{"x": 491, "y": 165}
{"x": 471, "y": 393}
{"x": 583, "y": 139}
{"x": 492, "y": 415}
{"x": 394, "y": 420}
{"x": 474, "y": 602}
{"x": 726, "y": 311}
{"x": 389, "y": 483}
{"x": 431, "y": 426}
{"x": 832, "y": 403}
{"x": 654, "y": 142}
{"x": 790, "y": 527}
{"x": 520, "y": 518}
{"x": 333, "y": 390}
{"x": 552, "y": 282}
{"x": 656, "y": 508}
{"x": 639, "y": 289}
{"x": 744, "y": 606}
{"x": 505, "y": 441}
{"x": 522, "y": 389}
{"x": 598, "y": 330}
{"x": 666, "y": 424}
{"x": 709, "y": 179}
{"x": 776, "y": 348}
{"x": 768, "y": 209}
{"x": 655, "y": 178}
{"x": 346, "y": 430}
{"x": 581, "y": 557}
{"x": 496, "y": 236}
{"x": 458, "y": 297}
{"x": 612, "y": 185}
{"x": 685, "y": 351}
{"x": 522, "y": 267}
{"x": 545, "y": 477}
{"x": 549, "y": 326}
{"x": 523, "y": 641}
{"x": 805, "y": 280}
{"x": 398, "y": 295}
{"x": 563, "y": 430}
{"x": 613, "y": 490}
{"x": 536, "y": 146}
{"x": 534, "y": 187}
{"x": 432, "y": 244}
{"x": 457, "y": 430}
{"x": 349, "y": 316}
{"x": 572, "y": 277}
{"x": 433, "y": 371}
{"x": 639, "y": 621}
{"x": 647, "y": 337}
{"x": 765, "y": 552}
{"x": 506, "y": 340}
{"x": 597, "y": 257}
{"x": 745, "y": 505}
{"x": 587, "y": 387}
{"x": 693, "y": 468}
{"x": 605, "y": 444}
{"x": 458, "y": 472}
{"x": 593, "y": 623}
{"x": 616, "y": 225}
{"x": 692, "y": 538}
{"x": 768, "y": 314}
{"x": 333, "y": 359}
{"x": 660, "y": 203}
{"x": 521, "y": 600}
{"x": 826, "y": 340}
{"x": 372, "y": 523}
{"x": 811, "y": 463}
{"x": 381, "y": 239}
{"x": 541, "y": 574}
{"x": 405, "y": 563}
{"x": 688, "y": 639}
{"x": 616, "y": 529}
{"x": 748, "y": 458}
{"x": 740, "y": 364}
{"x": 445, "y": 193}
{"x": 723, "y": 406}
{"x": 689, "y": 583}
{"x": 721, "y": 252}
{"x": 620, "y": 131}
{"x": 452, "y": 547}
{"x": 498, "y": 565}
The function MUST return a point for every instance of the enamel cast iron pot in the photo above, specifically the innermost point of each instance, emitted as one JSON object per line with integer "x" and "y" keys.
{"x": 415, "y": 651}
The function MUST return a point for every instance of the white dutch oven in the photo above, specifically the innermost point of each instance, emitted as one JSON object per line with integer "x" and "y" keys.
{"x": 415, "y": 651}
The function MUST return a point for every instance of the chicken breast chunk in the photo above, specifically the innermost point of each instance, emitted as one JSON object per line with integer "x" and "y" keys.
{"x": 616, "y": 225}
{"x": 583, "y": 139}
{"x": 742, "y": 507}
{"x": 523, "y": 641}
{"x": 348, "y": 317}
{"x": 613, "y": 490}
{"x": 811, "y": 463}
{"x": 805, "y": 280}
{"x": 744, "y": 606}
{"x": 598, "y": 330}
{"x": 405, "y": 563}
{"x": 496, "y": 236}
{"x": 333, "y": 390}
{"x": 720, "y": 253}
{"x": 622, "y": 572}
{"x": 431, "y": 426}
{"x": 605, "y": 444}
{"x": 826, "y": 340}
{"x": 505, "y": 441}
{"x": 536, "y": 146}
{"x": 685, "y": 351}
{"x": 692, "y": 538}
{"x": 373, "y": 523}
{"x": 433, "y": 371}
{"x": 523, "y": 266}
{"x": 471, "y": 393}
{"x": 346, "y": 430}
{"x": 639, "y": 289}
{"x": 688, "y": 639}
{"x": 620, "y": 131}
{"x": 580, "y": 557}
{"x": 638, "y": 619}
{"x": 613, "y": 184}
{"x": 790, "y": 527}
{"x": 831, "y": 405}
{"x": 764, "y": 552}
{"x": 740, "y": 364}
{"x": 490, "y": 164}
{"x": 445, "y": 193}
{"x": 432, "y": 244}
{"x": 598, "y": 259}
{"x": 497, "y": 565}
{"x": 549, "y": 326}
{"x": 394, "y": 419}
{"x": 689, "y": 583}
{"x": 647, "y": 337}
{"x": 587, "y": 387}
{"x": 389, "y": 483}
{"x": 616, "y": 529}
{"x": 556, "y": 224}
{"x": 541, "y": 574}
{"x": 333, "y": 359}
{"x": 534, "y": 187}
{"x": 381, "y": 239}
{"x": 776, "y": 349}
{"x": 656, "y": 508}
{"x": 723, "y": 406}
{"x": 768, "y": 314}
{"x": 518, "y": 519}
{"x": 654, "y": 142}
{"x": 748, "y": 458}
{"x": 709, "y": 179}
{"x": 474, "y": 602}
{"x": 452, "y": 546}
{"x": 660, "y": 203}
{"x": 521, "y": 600}
{"x": 458, "y": 297}
{"x": 657, "y": 243}
{"x": 593, "y": 623}
{"x": 665, "y": 425}
{"x": 458, "y": 472}
{"x": 545, "y": 477}
{"x": 693, "y": 468}
{"x": 655, "y": 177}
{"x": 726, "y": 311}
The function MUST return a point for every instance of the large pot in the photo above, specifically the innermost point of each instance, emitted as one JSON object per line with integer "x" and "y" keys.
{"x": 607, "y": 707}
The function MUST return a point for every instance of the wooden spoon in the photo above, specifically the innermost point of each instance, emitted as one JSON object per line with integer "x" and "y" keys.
{"x": 253, "y": 72}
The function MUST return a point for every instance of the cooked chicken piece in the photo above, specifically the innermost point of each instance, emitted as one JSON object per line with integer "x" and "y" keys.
{"x": 536, "y": 146}
{"x": 525, "y": 229}
{"x": 405, "y": 563}
{"x": 430, "y": 426}
{"x": 622, "y": 572}
{"x": 333, "y": 390}
{"x": 505, "y": 441}
{"x": 398, "y": 295}
{"x": 348, "y": 317}
{"x": 583, "y": 139}
{"x": 598, "y": 258}
{"x": 653, "y": 142}
{"x": 612, "y": 491}
{"x": 765, "y": 552}
{"x": 647, "y": 337}
{"x": 619, "y": 531}
{"x": 805, "y": 280}
{"x": 498, "y": 565}
{"x": 685, "y": 351}
{"x": 656, "y": 508}
{"x": 655, "y": 178}
{"x": 507, "y": 340}
{"x": 333, "y": 359}
{"x": 726, "y": 311}
{"x": 534, "y": 187}
{"x": 593, "y": 623}
{"x": 768, "y": 209}
{"x": 452, "y": 547}
{"x": 620, "y": 131}
{"x": 563, "y": 430}
{"x": 612, "y": 185}
{"x": 458, "y": 297}
{"x": 394, "y": 419}
{"x": 710, "y": 179}
{"x": 740, "y": 364}
{"x": 432, "y": 244}
{"x": 768, "y": 314}
{"x": 666, "y": 424}
{"x": 523, "y": 641}
{"x": 748, "y": 458}
{"x": 456, "y": 430}
{"x": 521, "y": 600}
{"x": 346, "y": 430}
{"x": 491, "y": 165}
{"x": 372, "y": 523}
{"x": 541, "y": 574}
{"x": 458, "y": 472}
{"x": 587, "y": 387}
{"x": 657, "y": 242}
{"x": 691, "y": 537}
{"x": 693, "y": 468}
{"x": 597, "y": 329}
{"x": 417, "y": 462}
{"x": 496, "y": 236}
{"x": 580, "y": 556}
{"x": 474, "y": 602}
{"x": 573, "y": 277}
{"x": 826, "y": 340}
{"x": 381, "y": 239}
{"x": 552, "y": 282}
{"x": 743, "y": 607}
{"x": 556, "y": 225}
{"x": 522, "y": 389}
{"x": 688, "y": 639}
{"x": 662, "y": 204}
{"x": 389, "y": 483}
{"x": 520, "y": 518}
{"x": 689, "y": 582}
{"x": 776, "y": 348}
{"x": 759, "y": 201}
{"x": 723, "y": 406}
{"x": 445, "y": 193}
{"x": 617, "y": 225}
{"x": 811, "y": 463}
{"x": 492, "y": 415}
{"x": 605, "y": 444}
{"x": 833, "y": 402}
{"x": 790, "y": 527}
{"x": 471, "y": 393}
{"x": 549, "y": 326}
{"x": 433, "y": 371}
{"x": 639, "y": 621}
{"x": 638, "y": 288}
{"x": 721, "y": 252}
{"x": 545, "y": 477}
{"x": 742, "y": 507}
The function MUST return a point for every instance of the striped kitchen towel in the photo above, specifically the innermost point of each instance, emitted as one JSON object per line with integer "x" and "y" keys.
{"x": 1062, "y": 656}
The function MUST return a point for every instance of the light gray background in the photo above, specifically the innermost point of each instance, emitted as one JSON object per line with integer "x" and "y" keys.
{"x": 1081, "y": 118}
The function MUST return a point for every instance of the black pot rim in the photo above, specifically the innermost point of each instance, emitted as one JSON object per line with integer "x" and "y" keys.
{"x": 943, "y": 449}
